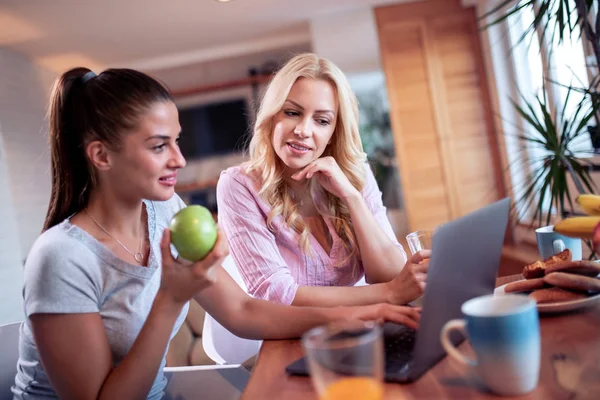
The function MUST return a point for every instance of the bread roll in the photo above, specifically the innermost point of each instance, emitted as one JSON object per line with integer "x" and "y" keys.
{"x": 526, "y": 285}
{"x": 555, "y": 294}
{"x": 588, "y": 268}
{"x": 575, "y": 282}
{"x": 536, "y": 269}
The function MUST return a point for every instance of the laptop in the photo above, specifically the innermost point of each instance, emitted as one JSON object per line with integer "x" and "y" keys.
{"x": 463, "y": 265}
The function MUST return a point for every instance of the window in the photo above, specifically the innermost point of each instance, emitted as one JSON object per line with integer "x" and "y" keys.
{"x": 540, "y": 69}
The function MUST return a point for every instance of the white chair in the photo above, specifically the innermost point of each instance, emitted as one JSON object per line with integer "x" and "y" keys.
{"x": 9, "y": 355}
{"x": 361, "y": 282}
{"x": 216, "y": 382}
{"x": 222, "y": 346}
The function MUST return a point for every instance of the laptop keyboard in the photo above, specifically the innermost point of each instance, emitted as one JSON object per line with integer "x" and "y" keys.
{"x": 399, "y": 343}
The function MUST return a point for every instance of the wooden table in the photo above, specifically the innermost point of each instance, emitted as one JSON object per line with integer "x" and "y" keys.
{"x": 570, "y": 366}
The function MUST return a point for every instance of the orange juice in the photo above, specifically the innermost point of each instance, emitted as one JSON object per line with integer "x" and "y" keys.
{"x": 359, "y": 388}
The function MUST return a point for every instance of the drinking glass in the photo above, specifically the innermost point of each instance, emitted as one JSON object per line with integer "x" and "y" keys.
{"x": 346, "y": 360}
{"x": 419, "y": 240}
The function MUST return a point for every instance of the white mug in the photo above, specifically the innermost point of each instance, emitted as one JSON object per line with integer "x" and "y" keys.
{"x": 505, "y": 334}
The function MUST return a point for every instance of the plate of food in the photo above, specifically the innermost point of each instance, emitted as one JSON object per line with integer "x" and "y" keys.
{"x": 558, "y": 284}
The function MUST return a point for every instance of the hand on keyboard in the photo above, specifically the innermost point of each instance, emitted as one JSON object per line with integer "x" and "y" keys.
{"x": 387, "y": 312}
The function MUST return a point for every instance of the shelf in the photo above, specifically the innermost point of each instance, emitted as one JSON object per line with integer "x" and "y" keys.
{"x": 213, "y": 87}
{"x": 196, "y": 186}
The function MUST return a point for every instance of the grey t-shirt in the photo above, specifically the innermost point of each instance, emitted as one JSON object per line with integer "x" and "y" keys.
{"x": 69, "y": 271}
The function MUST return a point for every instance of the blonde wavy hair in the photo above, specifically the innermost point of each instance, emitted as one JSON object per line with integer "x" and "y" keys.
{"x": 345, "y": 147}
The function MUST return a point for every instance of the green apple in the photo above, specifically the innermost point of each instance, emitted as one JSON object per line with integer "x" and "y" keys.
{"x": 193, "y": 232}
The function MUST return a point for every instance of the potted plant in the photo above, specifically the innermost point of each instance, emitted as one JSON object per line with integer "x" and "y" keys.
{"x": 549, "y": 134}
{"x": 554, "y": 133}
{"x": 553, "y": 137}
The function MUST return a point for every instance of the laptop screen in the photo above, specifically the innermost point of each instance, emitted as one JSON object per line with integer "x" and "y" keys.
{"x": 464, "y": 264}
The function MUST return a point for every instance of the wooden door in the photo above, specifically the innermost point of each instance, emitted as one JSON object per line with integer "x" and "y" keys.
{"x": 446, "y": 146}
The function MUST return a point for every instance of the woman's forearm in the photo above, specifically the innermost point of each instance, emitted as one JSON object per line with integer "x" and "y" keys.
{"x": 382, "y": 259}
{"x": 134, "y": 376}
{"x": 261, "y": 319}
{"x": 330, "y": 296}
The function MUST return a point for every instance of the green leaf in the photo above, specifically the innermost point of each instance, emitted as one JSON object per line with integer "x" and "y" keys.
{"x": 531, "y": 118}
{"x": 498, "y": 8}
{"x": 508, "y": 13}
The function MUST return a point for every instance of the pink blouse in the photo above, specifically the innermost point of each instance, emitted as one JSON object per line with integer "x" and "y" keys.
{"x": 273, "y": 264}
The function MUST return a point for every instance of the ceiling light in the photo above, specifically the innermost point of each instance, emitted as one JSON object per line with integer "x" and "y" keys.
{"x": 224, "y": 1}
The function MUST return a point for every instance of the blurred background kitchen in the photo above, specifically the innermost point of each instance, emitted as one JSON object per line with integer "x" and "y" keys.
{"x": 434, "y": 92}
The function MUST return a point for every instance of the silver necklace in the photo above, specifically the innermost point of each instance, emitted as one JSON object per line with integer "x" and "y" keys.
{"x": 139, "y": 257}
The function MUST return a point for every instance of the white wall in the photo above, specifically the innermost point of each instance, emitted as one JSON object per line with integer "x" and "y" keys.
{"x": 348, "y": 39}
{"x": 11, "y": 276}
{"x": 24, "y": 170}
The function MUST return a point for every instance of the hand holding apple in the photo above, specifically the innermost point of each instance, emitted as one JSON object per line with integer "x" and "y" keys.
{"x": 181, "y": 279}
{"x": 193, "y": 232}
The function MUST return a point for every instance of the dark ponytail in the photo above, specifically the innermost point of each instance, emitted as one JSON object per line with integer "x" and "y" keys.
{"x": 83, "y": 108}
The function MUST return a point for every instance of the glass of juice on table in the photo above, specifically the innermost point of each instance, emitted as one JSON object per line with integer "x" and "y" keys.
{"x": 346, "y": 360}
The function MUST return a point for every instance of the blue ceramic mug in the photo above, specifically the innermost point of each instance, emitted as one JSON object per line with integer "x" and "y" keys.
{"x": 505, "y": 334}
{"x": 551, "y": 243}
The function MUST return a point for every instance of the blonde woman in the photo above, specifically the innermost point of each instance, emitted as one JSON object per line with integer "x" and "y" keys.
{"x": 304, "y": 217}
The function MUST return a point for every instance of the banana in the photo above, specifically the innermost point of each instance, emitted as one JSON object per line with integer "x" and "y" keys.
{"x": 589, "y": 203}
{"x": 580, "y": 227}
